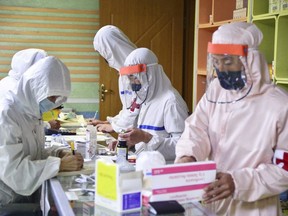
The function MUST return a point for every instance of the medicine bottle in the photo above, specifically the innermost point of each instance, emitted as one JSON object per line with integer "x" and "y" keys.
{"x": 122, "y": 148}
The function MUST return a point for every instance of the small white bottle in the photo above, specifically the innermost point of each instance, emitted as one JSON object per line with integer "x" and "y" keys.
{"x": 91, "y": 141}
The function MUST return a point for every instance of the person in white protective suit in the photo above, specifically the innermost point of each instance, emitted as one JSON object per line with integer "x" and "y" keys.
{"x": 21, "y": 61}
{"x": 241, "y": 123}
{"x": 24, "y": 162}
{"x": 160, "y": 108}
{"x": 114, "y": 46}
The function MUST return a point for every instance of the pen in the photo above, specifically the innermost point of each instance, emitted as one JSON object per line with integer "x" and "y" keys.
{"x": 96, "y": 114}
{"x": 71, "y": 143}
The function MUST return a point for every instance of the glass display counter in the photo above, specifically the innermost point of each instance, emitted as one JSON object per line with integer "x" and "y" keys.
{"x": 72, "y": 193}
{"x": 69, "y": 196}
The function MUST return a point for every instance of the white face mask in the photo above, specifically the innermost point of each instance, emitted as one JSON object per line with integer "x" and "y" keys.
{"x": 46, "y": 105}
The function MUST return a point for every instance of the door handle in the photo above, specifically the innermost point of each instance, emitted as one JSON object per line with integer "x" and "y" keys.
{"x": 104, "y": 91}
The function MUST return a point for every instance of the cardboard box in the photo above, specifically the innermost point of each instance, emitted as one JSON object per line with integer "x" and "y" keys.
{"x": 284, "y": 5}
{"x": 181, "y": 182}
{"x": 120, "y": 192}
{"x": 274, "y": 6}
{"x": 241, "y": 4}
{"x": 240, "y": 13}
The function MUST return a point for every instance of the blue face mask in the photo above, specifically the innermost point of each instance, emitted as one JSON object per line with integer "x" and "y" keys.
{"x": 231, "y": 80}
{"x": 46, "y": 105}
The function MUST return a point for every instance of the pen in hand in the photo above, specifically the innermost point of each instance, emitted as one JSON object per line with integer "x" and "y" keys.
{"x": 72, "y": 145}
{"x": 96, "y": 114}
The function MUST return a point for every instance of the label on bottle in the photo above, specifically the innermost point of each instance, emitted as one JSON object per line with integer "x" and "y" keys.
{"x": 122, "y": 149}
{"x": 122, "y": 152}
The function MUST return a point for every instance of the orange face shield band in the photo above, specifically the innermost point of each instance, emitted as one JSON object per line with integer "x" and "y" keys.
{"x": 133, "y": 69}
{"x": 230, "y": 49}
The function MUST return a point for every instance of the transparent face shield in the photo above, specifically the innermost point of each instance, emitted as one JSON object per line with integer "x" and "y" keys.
{"x": 135, "y": 79}
{"x": 228, "y": 80}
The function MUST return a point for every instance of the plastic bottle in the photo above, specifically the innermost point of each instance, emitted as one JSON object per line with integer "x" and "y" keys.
{"x": 91, "y": 140}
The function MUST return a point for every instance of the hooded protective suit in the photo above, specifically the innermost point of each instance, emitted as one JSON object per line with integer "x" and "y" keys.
{"x": 114, "y": 46}
{"x": 21, "y": 61}
{"x": 164, "y": 111}
{"x": 242, "y": 137}
{"x": 24, "y": 163}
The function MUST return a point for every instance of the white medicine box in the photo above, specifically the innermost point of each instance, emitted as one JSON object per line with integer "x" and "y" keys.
{"x": 120, "y": 192}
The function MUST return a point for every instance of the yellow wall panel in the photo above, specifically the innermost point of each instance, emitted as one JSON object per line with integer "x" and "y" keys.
{"x": 67, "y": 34}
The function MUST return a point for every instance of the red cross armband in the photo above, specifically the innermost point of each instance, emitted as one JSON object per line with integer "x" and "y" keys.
{"x": 134, "y": 106}
{"x": 281, "y": 159}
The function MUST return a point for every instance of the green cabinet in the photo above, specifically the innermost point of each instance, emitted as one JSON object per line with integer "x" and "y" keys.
{"x": 267, "y": 24}
{"x": 281, "y": 51}
{"x": 271, "y": 16}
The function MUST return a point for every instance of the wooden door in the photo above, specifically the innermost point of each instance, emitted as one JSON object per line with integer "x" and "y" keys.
{"x": 155, "y": 24}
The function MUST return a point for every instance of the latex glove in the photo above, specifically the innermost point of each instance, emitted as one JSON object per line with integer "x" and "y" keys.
{"x": 185, "y": 159}
{"x": 112, "y": 145}
{"x": 54, "y": 124}
{"x": 136, "y": 135}
{"x": 66, "y": 152}
{"x": 105, "y": 128}
{"x": 222, "y": 188}
{"x": 71, "y": 162}
{"x": 95, "y": 122}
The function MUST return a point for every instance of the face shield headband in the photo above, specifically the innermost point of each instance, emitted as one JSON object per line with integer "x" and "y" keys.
{"x": 135, "y": 79}
{"x": 134, "y": 69}
{"x": 228, "y": 79}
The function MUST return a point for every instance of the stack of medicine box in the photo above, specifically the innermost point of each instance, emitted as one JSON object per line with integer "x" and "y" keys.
{"x": 284, "y": 5}
{"x": 274, "y": 6}
{"x": 241, "y": 9}
{"x": 277, "y": 5}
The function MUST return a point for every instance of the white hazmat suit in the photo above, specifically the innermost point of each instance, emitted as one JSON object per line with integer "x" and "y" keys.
{"x": 24, "y": 163}
{"x": 163, "y": 111}
{"x": 242, "y": 135}
{"x": 114, "y": 46}
{"x": 21, "y": 61}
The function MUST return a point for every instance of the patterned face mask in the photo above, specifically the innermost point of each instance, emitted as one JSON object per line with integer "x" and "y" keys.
{"x": 136, "y": 87}
{"x": 230, "y": 80}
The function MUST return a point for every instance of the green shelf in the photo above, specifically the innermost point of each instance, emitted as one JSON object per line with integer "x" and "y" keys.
{"x": 281, "y": 56}
{"x": 268, "y": 27}
{"x": 261, "y": 8}
{"x": 283, "y": 85}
